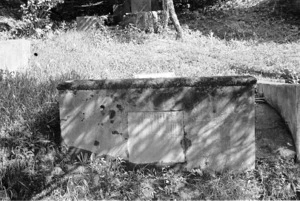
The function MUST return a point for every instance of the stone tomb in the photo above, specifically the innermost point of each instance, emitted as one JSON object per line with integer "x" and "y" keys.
{"x": 203, "y": 122}
{"x": 15, "y": 55}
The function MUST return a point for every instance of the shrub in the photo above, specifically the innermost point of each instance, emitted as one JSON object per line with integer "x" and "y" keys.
{"x": 36, "y": 15}
{"x": 36, "y": 10}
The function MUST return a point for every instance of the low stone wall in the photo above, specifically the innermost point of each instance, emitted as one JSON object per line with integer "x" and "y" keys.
{"x": 205, "y": 123}
{"x": 285, "y": 98}
{"x": 15, "y": 55}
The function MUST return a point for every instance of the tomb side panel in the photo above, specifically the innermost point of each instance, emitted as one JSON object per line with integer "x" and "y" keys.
{"x": 221, "y": 129}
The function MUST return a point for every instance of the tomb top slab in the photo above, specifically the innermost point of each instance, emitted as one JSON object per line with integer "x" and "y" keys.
{"x": 157, "y": 83}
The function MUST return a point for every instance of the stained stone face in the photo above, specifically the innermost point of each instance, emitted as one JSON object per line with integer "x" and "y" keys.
{"x": 155, "y": 137}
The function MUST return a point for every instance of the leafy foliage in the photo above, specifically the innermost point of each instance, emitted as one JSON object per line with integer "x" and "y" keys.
{"x": 36, "y": 15}
{"x": 36, "y": 10}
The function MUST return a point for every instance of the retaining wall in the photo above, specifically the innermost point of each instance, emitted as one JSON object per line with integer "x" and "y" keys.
{"x": 285, "y": 98}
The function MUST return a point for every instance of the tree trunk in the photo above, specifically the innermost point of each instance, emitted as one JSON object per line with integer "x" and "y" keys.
{"x": 165, "y": 14}
{"x": 169, "y": 12}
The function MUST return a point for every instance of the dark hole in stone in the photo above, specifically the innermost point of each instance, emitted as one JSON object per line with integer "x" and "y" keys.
{"x": 120, "y": 107}
{"x": 96, "y": 143}
{"x": 102, "y": 107}
{"x": 35, "y": 54}
{"x": 115, "y": 133}
{"x": 112, "y": 114}
{"x": 112, "y": 121}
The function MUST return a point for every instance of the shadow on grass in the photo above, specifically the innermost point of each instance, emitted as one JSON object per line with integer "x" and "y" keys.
{"x": 267, "y": 21}
{"x": 29, "y": 132}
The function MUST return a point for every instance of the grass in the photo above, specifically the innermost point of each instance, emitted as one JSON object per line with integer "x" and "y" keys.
{"x": 34, "y": 166}
{"x": 95, "y": 56}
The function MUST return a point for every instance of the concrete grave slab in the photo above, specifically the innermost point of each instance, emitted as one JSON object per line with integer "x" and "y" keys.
{"x": 15, "y": 55}
{"x": 285, "y": 98}
{"x": 205, "y": 123}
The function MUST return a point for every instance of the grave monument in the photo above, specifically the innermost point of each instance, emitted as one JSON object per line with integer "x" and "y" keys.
{"x": 205, "y": 122}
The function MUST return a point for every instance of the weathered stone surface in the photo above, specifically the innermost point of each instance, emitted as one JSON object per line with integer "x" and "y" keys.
{"x": 14, "y": 55}
{"x": 89, "y": 22}
{"x": 285, "y": 98}
{"x": 155, "y": 137}
{"x": 140, "y": 6}
{"x": 204, "y": 122}
{"x": 155, "y": 75}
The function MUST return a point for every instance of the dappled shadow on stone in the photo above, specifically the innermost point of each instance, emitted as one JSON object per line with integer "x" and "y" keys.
{"x": 205, "y": 122}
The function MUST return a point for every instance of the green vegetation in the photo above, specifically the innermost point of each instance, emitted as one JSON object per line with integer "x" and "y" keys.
{"x": 216, "y": 42}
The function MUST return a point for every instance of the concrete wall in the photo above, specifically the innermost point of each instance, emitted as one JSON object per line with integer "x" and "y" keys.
{"x": 285, "y": 98}
{"x": 140, "y": 6}
{"x": 201, "y": 122}
{"x": 14, "y": 55}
